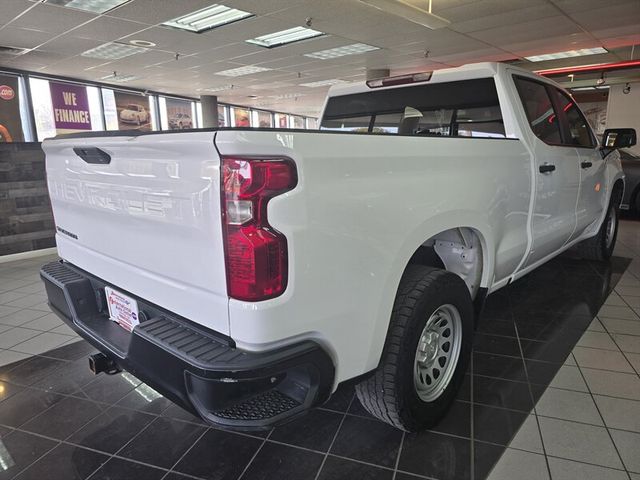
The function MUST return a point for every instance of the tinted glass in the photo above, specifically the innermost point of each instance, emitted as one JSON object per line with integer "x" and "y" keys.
{"x": 579, "y": 132}
{"x": 539, "y": 110}
{"x": 349, "y": 124}
{"x": 466, "y": 108}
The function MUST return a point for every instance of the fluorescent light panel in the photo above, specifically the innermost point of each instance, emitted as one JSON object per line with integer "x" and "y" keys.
{"x": 323, "y": 83}
{"x": 409, "y": 12}
{"x": 353, "y": 49}
{"x": 95, "y": 6}
{"x": 580, "y": 89}
{"x": 284, "y": 37}
{"x": 208, "y": 18}
{"x": 120, "y": 78}
{"x": 568, "y": 54}
{"x": 287, "y": 96}
{"x": 113, "y": 51}
{"x": 240, "y": 71}
{"x": 221, "y": 88}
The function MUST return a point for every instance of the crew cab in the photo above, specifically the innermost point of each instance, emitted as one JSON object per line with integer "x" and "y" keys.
{"x": 246, "y": 273}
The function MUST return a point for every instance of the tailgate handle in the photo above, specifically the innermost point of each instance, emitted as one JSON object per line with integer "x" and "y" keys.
{"x": 93, "y": 155}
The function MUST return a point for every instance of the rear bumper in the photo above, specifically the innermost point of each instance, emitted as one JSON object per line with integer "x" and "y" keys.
{"x": 196, "y": 368}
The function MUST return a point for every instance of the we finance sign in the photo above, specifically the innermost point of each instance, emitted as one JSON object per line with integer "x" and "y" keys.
{"x": 70, "y": 107}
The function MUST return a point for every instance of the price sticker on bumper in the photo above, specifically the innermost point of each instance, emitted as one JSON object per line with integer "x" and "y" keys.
{"x": 122, "y": 309}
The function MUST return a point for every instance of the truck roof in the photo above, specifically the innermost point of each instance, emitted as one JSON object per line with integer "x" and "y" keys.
{"x": 464, "y": 72}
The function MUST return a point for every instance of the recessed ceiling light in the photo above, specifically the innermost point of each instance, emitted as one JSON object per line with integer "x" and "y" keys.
{"x": 353, "y": 49}
{"x": 142, "y": 43}
{"x": 208, "y": 18}
{"x": 409, "y": 12}
{"x": 113, "y": 51}
{"x": 96, "y": 6}
{"x": 119, "y": 78}
{"x": 569, "y": 53}
{"x": 323, "y": 83}
{"x": 284, "y": 37}
{"x": 246, "y": 70}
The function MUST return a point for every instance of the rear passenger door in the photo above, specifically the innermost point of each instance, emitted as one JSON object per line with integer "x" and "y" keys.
{"x": 557, "y": 176}
{"x": 578, "y": 134}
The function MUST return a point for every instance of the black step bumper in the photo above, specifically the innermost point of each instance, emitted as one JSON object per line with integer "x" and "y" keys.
{"x": 196, "y": 368}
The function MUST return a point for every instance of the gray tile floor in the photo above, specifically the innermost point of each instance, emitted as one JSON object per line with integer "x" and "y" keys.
{"x": 27, "y": 326}
{"x": 586, "y": 425}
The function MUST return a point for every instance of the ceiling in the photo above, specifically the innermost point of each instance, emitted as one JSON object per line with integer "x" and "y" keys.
{"x": 480, "y": 30}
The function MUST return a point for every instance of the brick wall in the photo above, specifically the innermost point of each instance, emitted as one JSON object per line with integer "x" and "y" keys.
{"x": 26, "y": 221}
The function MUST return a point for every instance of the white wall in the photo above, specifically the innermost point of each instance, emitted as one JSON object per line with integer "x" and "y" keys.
{"x": 623, "y": 110}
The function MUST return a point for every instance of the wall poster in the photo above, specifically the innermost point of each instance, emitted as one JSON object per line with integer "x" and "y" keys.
{"x": 10, "y": 122}
{"x": 133, "y": 111}
{"x": 179, "y": 114}
{"x": 70, "y": 106}
{"x": 241, "y": 117}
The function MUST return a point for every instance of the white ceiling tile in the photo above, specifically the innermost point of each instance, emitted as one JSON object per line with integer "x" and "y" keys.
{"x": 553, "y": 26}
{"x": 13, "y": 8}
{"x": 610, "y": 16}
{"x": 69, "y": 45}
{"x": 52, "y": 19}
{"x": 577, "y": 6}
{"x": 551, "y": 44}
{"x": 108, "y": 29}
{"x": 22, "y": 37}
{"x": 509, "y": 17}
{"x": 268, "y": 7}
{"x": 174, "y": 40}
{"x": 482, "y": 8}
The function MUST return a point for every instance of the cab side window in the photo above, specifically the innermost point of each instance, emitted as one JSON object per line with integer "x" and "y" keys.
{"x": 539, "y": 109}
{"x": 578, "y": 132}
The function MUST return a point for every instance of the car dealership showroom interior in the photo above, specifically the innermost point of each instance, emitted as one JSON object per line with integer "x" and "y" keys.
{"x": 319, "y": 239}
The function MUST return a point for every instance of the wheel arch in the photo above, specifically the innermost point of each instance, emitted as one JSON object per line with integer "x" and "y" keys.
{"x": 445, "y": 229}
{"x": 617, "y": 191}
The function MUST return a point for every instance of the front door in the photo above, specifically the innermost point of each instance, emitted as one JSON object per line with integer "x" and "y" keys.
{"x": 577, "y": 133}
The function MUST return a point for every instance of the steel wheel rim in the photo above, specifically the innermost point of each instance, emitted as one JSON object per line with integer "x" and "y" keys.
{"x": 610, "y": 229}
{"x": 437, "y": 352}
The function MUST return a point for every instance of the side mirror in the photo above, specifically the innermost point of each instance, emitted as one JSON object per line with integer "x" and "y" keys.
{"x": 614, "y": 138}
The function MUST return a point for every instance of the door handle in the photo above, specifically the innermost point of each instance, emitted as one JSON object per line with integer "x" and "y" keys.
{"x": 586, "y": 164}
{"x": 547, "y": 168}
{"x": 93, "y": 155}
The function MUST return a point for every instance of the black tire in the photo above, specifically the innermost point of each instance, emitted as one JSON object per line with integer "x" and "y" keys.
{"x": 600, "y": 247}
{"x": 390, "y": 394}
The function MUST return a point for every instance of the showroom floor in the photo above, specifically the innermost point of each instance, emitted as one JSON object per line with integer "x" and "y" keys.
{"x": 552, "y": 392}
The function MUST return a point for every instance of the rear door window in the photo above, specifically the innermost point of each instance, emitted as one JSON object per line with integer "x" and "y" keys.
{"x": 539, "y": 110}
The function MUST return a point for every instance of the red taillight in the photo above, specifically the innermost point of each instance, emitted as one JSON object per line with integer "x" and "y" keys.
{"x": 255, "y": 253}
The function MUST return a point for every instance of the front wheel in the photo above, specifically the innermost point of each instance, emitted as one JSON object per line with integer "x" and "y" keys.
{"x": 426, "y": 351}
{"x": 600, "y": 247}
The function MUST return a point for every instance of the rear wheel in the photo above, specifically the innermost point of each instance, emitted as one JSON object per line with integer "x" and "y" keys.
{"x": 426, "y": 352}
{"x": 600, "y": 246}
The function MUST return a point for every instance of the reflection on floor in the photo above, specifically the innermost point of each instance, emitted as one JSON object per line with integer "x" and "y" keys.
{"x": 552, "y": 392}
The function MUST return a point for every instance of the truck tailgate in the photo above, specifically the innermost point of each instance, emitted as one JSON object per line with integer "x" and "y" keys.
{"x": 148, "y": 221}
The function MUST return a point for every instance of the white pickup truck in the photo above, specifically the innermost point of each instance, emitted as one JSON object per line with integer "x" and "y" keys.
{"x": 246, "y": 273}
